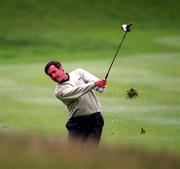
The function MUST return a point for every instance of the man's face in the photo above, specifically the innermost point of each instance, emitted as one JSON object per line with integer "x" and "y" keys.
{"x": 56, "y": 74}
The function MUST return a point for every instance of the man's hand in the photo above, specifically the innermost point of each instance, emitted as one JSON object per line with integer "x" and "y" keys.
{"x": 100, "y": 85}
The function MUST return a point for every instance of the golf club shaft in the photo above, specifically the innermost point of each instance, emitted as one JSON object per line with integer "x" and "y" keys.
{"x": 115, "y": 56}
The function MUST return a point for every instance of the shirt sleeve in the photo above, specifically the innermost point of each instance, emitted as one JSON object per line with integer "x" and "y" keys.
{"x": 69, "y": 93}
{"x": 72, "y": 93}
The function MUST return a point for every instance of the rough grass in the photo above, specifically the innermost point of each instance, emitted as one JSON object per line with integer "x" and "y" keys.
{"x": 34, "y": 151}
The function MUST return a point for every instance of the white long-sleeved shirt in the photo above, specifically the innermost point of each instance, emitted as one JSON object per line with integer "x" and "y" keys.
{"x": 77, "y": 93}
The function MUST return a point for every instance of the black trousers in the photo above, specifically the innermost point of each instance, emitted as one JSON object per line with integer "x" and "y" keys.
{"x": 85, "y": 128}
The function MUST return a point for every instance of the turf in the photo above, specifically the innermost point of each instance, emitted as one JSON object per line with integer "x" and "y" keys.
{"x": 86, "y": 34}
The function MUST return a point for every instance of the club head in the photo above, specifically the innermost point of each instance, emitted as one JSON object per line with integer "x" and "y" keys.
{"x": 126, "y": 27}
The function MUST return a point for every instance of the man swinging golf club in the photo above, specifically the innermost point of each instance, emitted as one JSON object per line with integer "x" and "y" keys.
{"x": 75, "y": 90}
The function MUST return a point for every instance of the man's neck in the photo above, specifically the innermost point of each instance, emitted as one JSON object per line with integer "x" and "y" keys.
{"x": 66, "y": 78}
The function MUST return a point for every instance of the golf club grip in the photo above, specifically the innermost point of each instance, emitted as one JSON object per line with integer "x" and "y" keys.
{"x": 115, "y": 56}
{"x": 106, "y": 75}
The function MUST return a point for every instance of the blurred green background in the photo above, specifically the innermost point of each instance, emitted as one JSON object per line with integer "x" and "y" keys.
{"x": 86, "y": 33}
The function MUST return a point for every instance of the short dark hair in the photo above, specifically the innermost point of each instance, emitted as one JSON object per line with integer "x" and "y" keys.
{"x": 49, "y": 64}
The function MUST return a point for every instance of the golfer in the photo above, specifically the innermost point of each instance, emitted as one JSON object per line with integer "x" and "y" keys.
{"x": 76, "y": 91}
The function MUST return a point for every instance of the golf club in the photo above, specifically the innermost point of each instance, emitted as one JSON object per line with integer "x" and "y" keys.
{"x": 125, "y": 28}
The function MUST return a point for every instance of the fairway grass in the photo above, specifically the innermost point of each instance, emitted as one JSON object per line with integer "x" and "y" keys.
{"x": 28, "y": 103}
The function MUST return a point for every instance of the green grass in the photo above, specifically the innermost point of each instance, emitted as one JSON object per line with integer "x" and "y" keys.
{"x": 86, "y": 34}
{"x": 28, "y": 103}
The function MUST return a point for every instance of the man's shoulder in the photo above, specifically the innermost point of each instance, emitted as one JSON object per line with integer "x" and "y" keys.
{"x": 78, "y": 71}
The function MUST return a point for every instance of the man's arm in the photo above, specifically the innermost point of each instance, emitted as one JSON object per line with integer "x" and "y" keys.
{"x": 72, "y": 93}
{"x": 88, "y": 77}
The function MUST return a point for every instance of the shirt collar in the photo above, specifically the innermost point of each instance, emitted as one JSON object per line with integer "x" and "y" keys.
{"x": 66, "y": 79}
